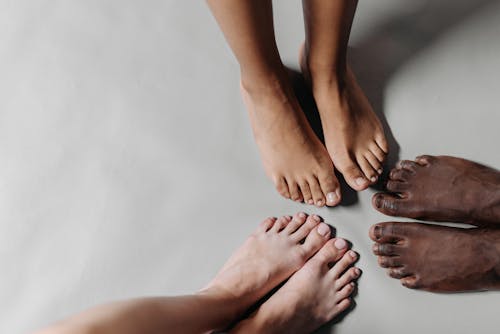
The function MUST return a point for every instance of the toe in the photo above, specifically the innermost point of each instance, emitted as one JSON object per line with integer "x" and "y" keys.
{"x": 266, "y": 224}
{"x": 306, "y": 228}
{"x": 282, "y": 187}
{"x": 382, "y": 143}
{"x": 352, "y": 174}
{"x": 281, "y": 223}
{"x": 295, "y": 193}
{"x": 425, "y": 160}
{"x": 392, "y": 205}
{"x": 370, "y": 173}
{"x": 330, "y": 188}
{"x": 316, "y": 238}
{"x": 349, "y": 276}
{"x": 398, "y": 272}
{"x": 397, "y": 186}
{"x": 317, "y": 193}
{"x": 297, "y": 221}
{"x": 341, "y": 266}
{"x": 400, "y": 175}
{"x": 410, "y": 282}
{"x": 346, "y": 291}
{"x": 387, "y": 249}
{"x": 306, "y": 191}
{"x": 331, "y": 252}
{"x": 378, "y": 152}
{"x": 390, "y": 232}
{"x": 342, "y": 305}
{"x": 389, "y": 261}
{"x": 409, "y": 165}
{"x": 374, "y": 162}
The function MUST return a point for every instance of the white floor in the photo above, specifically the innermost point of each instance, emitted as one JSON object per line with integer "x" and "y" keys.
{"x": 129, "y": 169}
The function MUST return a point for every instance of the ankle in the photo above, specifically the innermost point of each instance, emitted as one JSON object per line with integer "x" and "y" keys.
{"x": 259, "y": 82}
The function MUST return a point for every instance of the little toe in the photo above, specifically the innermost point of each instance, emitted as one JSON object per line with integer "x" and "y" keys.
{"x": 297, "y": 221}
{"x": 392, "y": 205}
{"x": 370, "y": 173}
{"x": 387, "y": 249}
{"x": 389, "y": 261}
{"x": 397, "y": 186}
{"x": 306, "y": 191}
{"x": 409, "y": 165}
{"x": 345, "y": 262}
{"x": 316, "y": 238}
{"x": 378, "y": 152}
{"x": 346, "y": 291}
{"x": 398, "y": 273}
{"x": 282, "y": 187}
{"x": 266, "y": 224}
{"x": 304, "y": 229}
{"x": 410, "y": 282}
{"x": 374, "y": 162}
{"x": 353, "y": 175}
{"x": 295, "y": 193}
{"x": 330, "y": 187}
{"x": 400, "y": 175}
{"x": 390, "y": 232}
{"x": 317, "y": 193}
{"x": 281, "y": 223}
{"x": 349, "y": 276}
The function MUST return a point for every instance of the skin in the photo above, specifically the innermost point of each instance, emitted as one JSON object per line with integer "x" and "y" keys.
{"x": 442, "y": 188}
{"x": 438, "y": 258}
{"x": 278, "y": 249}
{"x": 300, "y": 166}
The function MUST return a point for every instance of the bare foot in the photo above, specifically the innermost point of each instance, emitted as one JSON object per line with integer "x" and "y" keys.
{"x": 293, "y": 156}
{"x": 277, "y": 249}
{"x": 314, "y": 295}
{"x": 442, "y": 189}
{"x": 439, "y": 258}
{"x": 353, "y": 133}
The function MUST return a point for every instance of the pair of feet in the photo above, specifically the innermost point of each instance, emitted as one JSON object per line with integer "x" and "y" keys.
{"x": 301, "y": 167}
{"x": 438, "y": 258}
{"x": 300, "y": 250}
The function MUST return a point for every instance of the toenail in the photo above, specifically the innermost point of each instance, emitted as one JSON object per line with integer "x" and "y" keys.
{"x": 360, "y": 181}
{"x": 332, "y": 197}
{"x": 352, "y": 254}
{"x": 316, "y": 218}
{"x": 323, "y": 229}
{"x": 319, "y": 203}
{"x": 357, "y": 271}
{"x": 379, "y": 170}
{"x": 310, "y": 202}
{"x": 302, "y": 215}
{"x": 340, "y": 244}
{"x": 377, "y": 232}
{"x": 373, "y": 179}
{"x": 378, "y": 202}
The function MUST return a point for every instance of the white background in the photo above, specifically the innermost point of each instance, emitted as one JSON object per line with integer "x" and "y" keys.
{"x": 128, "y": 166}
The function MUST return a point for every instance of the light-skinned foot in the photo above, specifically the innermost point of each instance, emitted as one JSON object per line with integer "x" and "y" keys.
{"x": 438, "y": 258}
{"x": 292, "y": 155}
{"x": 314, "y": 295}
{"x": 277, "y": 249}
{"x": 442, "y": 188}
{"x": 354, "y": 136}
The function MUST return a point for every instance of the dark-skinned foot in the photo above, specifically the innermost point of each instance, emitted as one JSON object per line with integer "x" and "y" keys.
{"x": 439, "y": 258}
{"x": 442, "y": 188}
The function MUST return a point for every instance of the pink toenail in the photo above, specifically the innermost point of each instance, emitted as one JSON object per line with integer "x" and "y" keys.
{"x": 340, "y": 244}
{"x": 352, "y": 254}
{"x": 302, "y": 215}
{"x": 380, "y": 171}
{"x": 332, "y": 197}
{"x": 323, "y": 229}
{"x": 357, "y": 271}
{"x": 373, "y": 179}
{"x": 360, "y": 181}
{"x": 319, "y": 203}
{"x": 310, "y": 202}
{"x": 316, "y": 218}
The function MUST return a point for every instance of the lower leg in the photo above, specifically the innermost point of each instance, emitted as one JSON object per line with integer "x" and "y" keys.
{"x": 353, "y": 134}
{"x": 154, "y": 315}
{"x": 292, "y": 155}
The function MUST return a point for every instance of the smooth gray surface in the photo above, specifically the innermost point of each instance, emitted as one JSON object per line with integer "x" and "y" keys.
{"x": 129, "y": 169}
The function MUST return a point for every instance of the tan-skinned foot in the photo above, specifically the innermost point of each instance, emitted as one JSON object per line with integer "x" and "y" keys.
{"x": 292, "y": 155}
{"x": 354, "y": 136}
{"x": 314, "y": 295}
{"x": 277, "y": 249}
